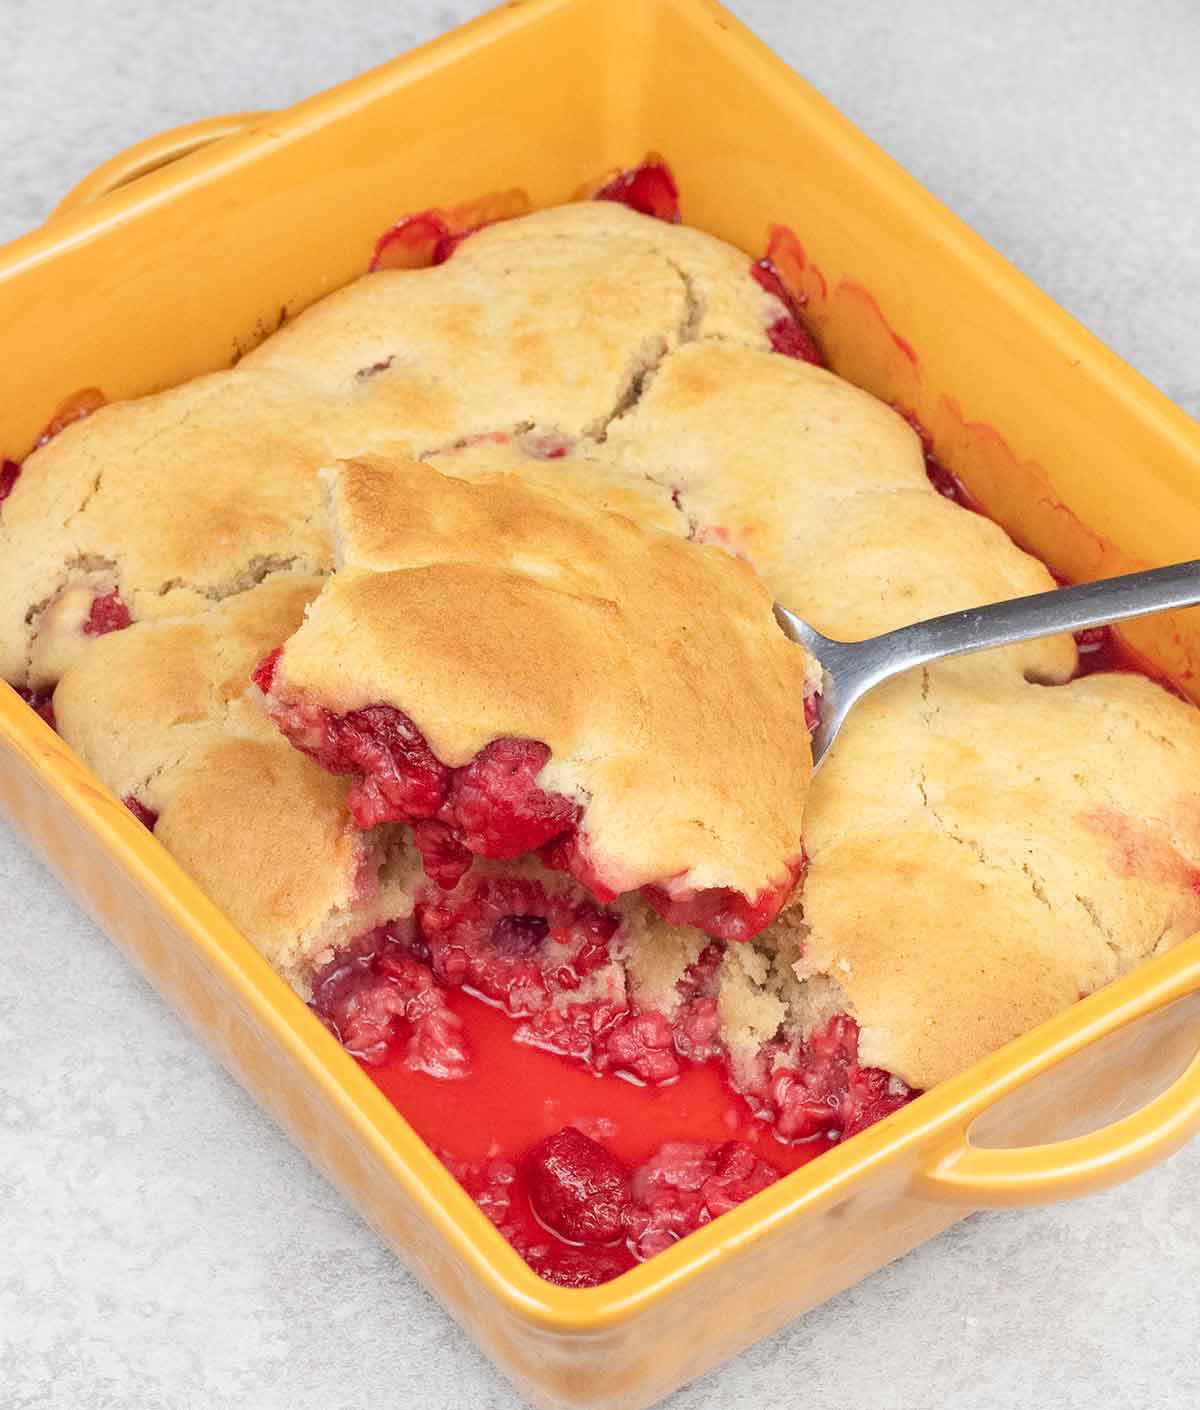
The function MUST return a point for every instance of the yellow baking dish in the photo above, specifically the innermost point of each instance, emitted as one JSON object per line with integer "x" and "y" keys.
{"x": 180, "y": 254}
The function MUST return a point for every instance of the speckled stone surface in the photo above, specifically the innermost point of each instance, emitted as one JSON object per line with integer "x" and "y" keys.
{"x": 161, "y": 1244}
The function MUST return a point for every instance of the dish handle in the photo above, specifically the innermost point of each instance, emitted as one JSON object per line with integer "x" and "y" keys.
{"x": 982, "y": 1176}
{"x": 151, "y": 154}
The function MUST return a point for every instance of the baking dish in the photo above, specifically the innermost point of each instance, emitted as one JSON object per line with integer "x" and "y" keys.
{"x": 215, "y": 246}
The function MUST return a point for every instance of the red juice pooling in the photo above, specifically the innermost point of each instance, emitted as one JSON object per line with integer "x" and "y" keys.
{"x": 586, "y": 1175}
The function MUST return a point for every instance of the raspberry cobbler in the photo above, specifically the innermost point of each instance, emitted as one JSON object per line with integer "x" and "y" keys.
{"x": 544, "y": 821}
{"x": 581, "y": 685}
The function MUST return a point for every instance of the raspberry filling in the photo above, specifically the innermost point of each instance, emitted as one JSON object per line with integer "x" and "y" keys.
{"x": 504, "y": 1189}
{"x": 649, "y": 189}
{"x": 146, "y": 816}
{"x": 10, "y": 473}
{"x": 585, "y": 1199}
{"x": 377, "y": 993}
{"x": 577, "y": 1189}
{"x": 108, "y": 613}
{"x": 41, "y": 702}
{"x": 685, "y": 1186}
{"x": 945, "y": 481}
{"x": 512, "y": 942}
{"x": 416, "y": 242}
{"x": 818, "y": 1087}
{"x": 431, "y": 237}
{"x": 544, "y": 955}
{"x": 725, "y": 913}
{"x": 788, "y": 334}
{"x": 579, "y": 1216}
{"x": 490, "y": 807}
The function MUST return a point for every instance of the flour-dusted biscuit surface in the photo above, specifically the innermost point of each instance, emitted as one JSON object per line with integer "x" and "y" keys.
{"x": 652, "y": 669}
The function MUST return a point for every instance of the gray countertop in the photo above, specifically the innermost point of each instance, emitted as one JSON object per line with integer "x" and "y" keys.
{"x": 161, "y": 1244}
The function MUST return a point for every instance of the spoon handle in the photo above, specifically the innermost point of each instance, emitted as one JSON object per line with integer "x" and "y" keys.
{"x": 1045, "y": 614}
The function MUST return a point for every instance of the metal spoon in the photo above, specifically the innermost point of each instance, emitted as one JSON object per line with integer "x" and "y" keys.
{"x": 851, "y": 668}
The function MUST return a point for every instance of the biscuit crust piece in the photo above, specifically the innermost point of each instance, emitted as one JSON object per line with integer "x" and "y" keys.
{"x": 165, "y": 713}
{"x": 651, "y": 668}
{"x": 980, "y": 860}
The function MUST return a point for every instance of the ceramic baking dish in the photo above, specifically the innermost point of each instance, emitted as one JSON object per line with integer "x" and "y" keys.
{"x": 175, "y": 257}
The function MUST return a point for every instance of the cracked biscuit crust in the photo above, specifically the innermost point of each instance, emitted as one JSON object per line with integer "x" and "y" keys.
{"x": 652, "y": 668}
{"x": 164, "y": 712}
{"x": 187, "y": 496}
{"x": 982, "y": 850}
{"x": 823, "y": 488}
{"x": 981, "y": 858}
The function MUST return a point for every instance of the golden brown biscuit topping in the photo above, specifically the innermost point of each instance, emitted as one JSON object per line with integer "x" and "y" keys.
{"x": 556, "y": 678}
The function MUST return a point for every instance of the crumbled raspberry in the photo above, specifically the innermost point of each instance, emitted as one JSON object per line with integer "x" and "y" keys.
{"x": 790, "y": 337}
{"x": 431, "y": 237}
{"x": 146, "y": 816}
{"x": 818, "y": 1088}
{"x": 375, "y": 992}
{"x": 697, "y": 1031}
{"x": 575, "y": 1031}
{"x": 514, "y": 942}
{"x": 445, "y": 859}
{"x": 108, "y": 614}
{"x": 649, "y": 188}
{"x": 263, "y": 675}
{"x": 569, "y": 852}
{"x": 947, "y": 484}
{"x": 578, "y": 1190}
{"x": 722, "y": 912}
{"x": 685, "y": 1185}
{"x": 700, "y": 977}
{"x": 490, "y": 807}
{"x": 497, "y": 806}
{"x": 499, "y": 1189}
{"x": 519, "y": 935}
{"x": 573, "y": 1212}
{"x": 640, "y": 1045}
{"x": 41, "y": 703}
{"x": 398, "y": 777}
{"x": 10, "y": 473}
{"x": 812, "y": 711}
{"x": 788, "y": 334}
{"x": 577, "y": 1217}
{"x": 607, "y": 1036}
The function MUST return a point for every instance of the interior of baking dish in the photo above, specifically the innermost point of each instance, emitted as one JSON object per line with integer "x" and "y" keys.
{"x": 1052, "y": 469}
